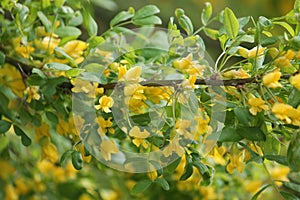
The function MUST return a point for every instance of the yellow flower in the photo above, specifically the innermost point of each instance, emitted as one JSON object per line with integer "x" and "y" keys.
{"x": 48, "y": 44}
{"x": 107, "y": 194}
{"x": 84, "y": 86}
{"x": 6, "y": 169}
{"x": 175, "y": 147}
{"x": 86, "y": 158}
{"x": 236, "y": 74}
{"x": 122, "y": 71}
{"x": 208, "y": 193}
{"x": 190, "y": 83}
{"x": 32, "y": 92}
{"x": 285, "y": 60}
{"x": 85, "y": 197}
{"x": 21, "y": 49}
{"x": 134, "y": 97}
{"x": 12, "y": 78}
{"x": 253, "y": 186}
{"x": 217, "y": 154}
{"x": 235, "y": 161}
{"x": 104, "y": 125}
{"x": 22, "y": 186}
{"x": 282, "y": 112}
{"x": 132, "y": 75}
{"x": 271, "y": 79}
{"x": 189, "y": 66}
{"x": 75, "y": 49}
{"x": 11, "y": 193}
{"x": 50, "y": 152}
{"x": 256, "y": 149}
{"x": 68, "y": 127}
{"x": 256, "y": 104}
{"x": 157, "y": 94}
{"x": 139, "y": 136}
{"x": 202, "y": 126}
{"x": 295, "y": 81}
{"x": 41, "y": 131}
{"x": 280, "y": 173}
{"x": 251, "y": 53}
{"x": 108, "y": 147}
{"x": 105, "y": 103}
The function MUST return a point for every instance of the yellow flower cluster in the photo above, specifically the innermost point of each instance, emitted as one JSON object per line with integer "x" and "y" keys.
{"x": 285, "y": 60}
{"x": 188, "y": 66}
{"x": 139, "y": 137}
{"x": 21, "y": 49}
{"x": 104, "y": 125}
{"x": 287, "y": 113}
{"x": 10, "y": 77}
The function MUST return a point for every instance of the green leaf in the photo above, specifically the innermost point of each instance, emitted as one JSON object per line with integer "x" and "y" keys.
{"x": 146, "y": 11}
{"x": 59, "y": 3}
{"x": 2, "y": 58}
{"x": 206, "y": 13}
{"x": 67, "y": 31}
{"x": 231, "y": 23}
{"x": 89, "y": 23}
{"x": 151, "y": 20}
{"x": 288, "y": 196}
{"x": 211, "y": 33}
{"x": 294, "y": 98}
{"x": 35, "y": 79}
{"x": 188, "y": 171}
{"x": 106, "y": 4}
{"x": 252, "y": 133}
{"x": 52, "y": 117}
{"x": 95, "y": 41}
{"x": 269, "y": 41}
{"x": 57, "y": 66}
{"x": 243, "y": 115}
{"x": 186, "y": 23}
{"x": 287, "y": 27}
{"x": 295, "y": 42}
{"x": 44, "y": 21}
{"x": 163, "y": 183}
{"x": 277, "y": 158}
{"x": 141, "y": 187}
{"x": 76, "y": 19}
{"x": 172, "y": 166}
{"x": 4, "y": 126}
{"x": 74, "y": 72}
{"x": 256, "y": 195}
{"x": 271, "y": 146}
{"x": 265, "y": 22}
{"x": 229, "y": 134}
{"x": 64, "y": 158}
{"x": 77, "y": 160}
{"x": 293, "y": 153}
{"x": 26, "y": 141}
{"x": 120, "y": 17}
{"x": 292, "y": 186}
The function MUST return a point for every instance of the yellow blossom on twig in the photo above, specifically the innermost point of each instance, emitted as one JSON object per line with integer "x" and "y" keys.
{"x": 105, "y": 103}
{"x": 256, "y": 104}
{"x": 271, "y": 79}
